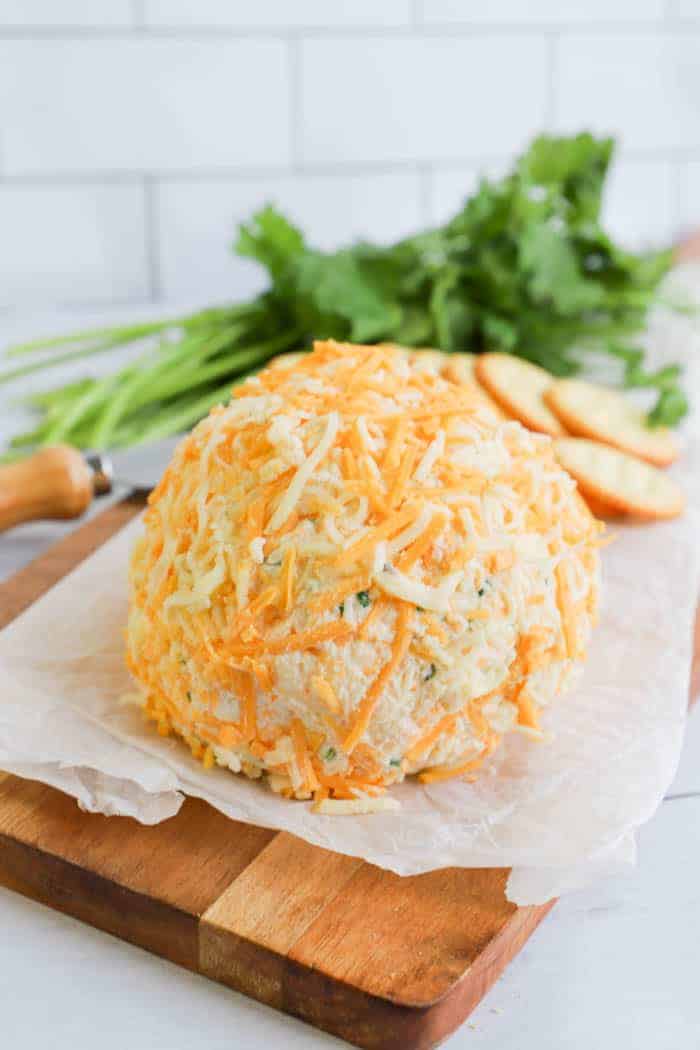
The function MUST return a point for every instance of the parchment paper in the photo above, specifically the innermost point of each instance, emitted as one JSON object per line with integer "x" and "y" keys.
{"x": 560, "y": 813}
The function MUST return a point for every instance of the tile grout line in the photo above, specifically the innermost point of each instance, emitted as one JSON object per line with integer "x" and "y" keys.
{"x": 337, "y": 169}
{"x": 138, "y": 14}
{"x": 405, "y": 31}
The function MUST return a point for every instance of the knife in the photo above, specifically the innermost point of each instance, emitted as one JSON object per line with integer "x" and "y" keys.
{"x": 61, "y": 482}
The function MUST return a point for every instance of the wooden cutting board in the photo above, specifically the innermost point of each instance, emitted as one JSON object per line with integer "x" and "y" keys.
{"x": 381, "y": 961}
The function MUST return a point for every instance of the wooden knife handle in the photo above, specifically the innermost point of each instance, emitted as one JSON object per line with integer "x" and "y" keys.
{"x": 55, "y": 482}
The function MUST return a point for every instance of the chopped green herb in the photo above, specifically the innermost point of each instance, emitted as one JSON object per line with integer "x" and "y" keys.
{"x": 672, "y": 403}
{"x": 329, "y": 754}
{"x": 431, "y": 673}
{"x": 481, "y": 592}
{"x": 341, "y": 608}
{"x": 670, "y": 408}
{"x": 363, "y": 598}
{"x": 189, "y": 697}
{"x": 419, "y": 608}
{"x": 396, "y": 762}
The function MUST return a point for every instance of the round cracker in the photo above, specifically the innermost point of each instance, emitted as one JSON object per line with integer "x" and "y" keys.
{"x": 518, "y": 387}
{"x": 596, "y": 412}
{"x": 619, "y": 481}
{"x": 425, "y": 359}
{"x": 599, "y": 509}
{"x": 461, "y": 368}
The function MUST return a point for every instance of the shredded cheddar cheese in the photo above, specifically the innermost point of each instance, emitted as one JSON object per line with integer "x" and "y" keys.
{"x": 355, "y": 572}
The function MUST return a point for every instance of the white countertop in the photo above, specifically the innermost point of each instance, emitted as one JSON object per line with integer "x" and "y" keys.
{"x": 613, "y": 967}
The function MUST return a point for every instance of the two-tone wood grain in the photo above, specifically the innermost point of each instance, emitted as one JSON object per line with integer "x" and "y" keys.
{"x": 382, "y": 961}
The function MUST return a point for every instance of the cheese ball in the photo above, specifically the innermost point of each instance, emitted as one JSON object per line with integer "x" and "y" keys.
{"x": 354, "y": 572}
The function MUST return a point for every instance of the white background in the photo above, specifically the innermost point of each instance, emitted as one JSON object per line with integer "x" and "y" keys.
{"x": 134, "y": 134}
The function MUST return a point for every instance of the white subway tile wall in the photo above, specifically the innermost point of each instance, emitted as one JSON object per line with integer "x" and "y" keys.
{"x": 690, "y": 197}
{"x": 645, "y": 85}
{"x": 143, "y": 105}
{"x": 639, "y": 202}
{"x": 278, "y": 14}
{"x": 685, "y": 9}
{"x": 49, "y": 14}
{"x": 368, "y": 100}
{"x": 72, "y": 244}
{"x": 136, "y": 134}
{"x": 540, "y": 12}
{"x": 197, "y": 223}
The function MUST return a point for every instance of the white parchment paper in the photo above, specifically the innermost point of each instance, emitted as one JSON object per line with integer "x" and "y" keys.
{"x": 559, "y": 813}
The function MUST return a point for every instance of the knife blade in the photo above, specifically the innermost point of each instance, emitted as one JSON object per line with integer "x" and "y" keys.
{"x": 137, "y": 469}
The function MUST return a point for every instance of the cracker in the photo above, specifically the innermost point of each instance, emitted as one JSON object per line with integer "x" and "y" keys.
{"x": 601, "y": 510}
{"x": 428, "y": 360}
{"x": 595, "y": 412}
{"x": 518, "y": 386}
{"x": 619, "y": 481}
{"x": 461, "y": 368}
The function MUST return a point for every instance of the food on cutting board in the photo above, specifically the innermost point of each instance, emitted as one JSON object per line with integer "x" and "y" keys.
{"x": 618, "y": 481}
{"x": 352, "y": 573}
{"x": 592, "y": 411}
{"x": 518, "y": 387}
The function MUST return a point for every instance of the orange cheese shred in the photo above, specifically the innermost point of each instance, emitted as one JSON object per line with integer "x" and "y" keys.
{"x": 379, "y": 604}
{"x": 421, "y": 745}
{"x": 324, "y": 690}
{"x": 391, "y": 525}
{"x": 327, "y": 632}
{"x": 528, "y": 714}
{"x": 402, "y": 640}
{"x": 501, "y": 560}
{"x": 566, "y": 611}
{"x": 393, "y": 449}
{"x": 445, "y": 772}
{"x": 287, "y": 586}
{"x": 229, "y": 736}
{"x": 329, "y": 599}
{"x": 423, "y": 544}
{"x": 408, "y": 462}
